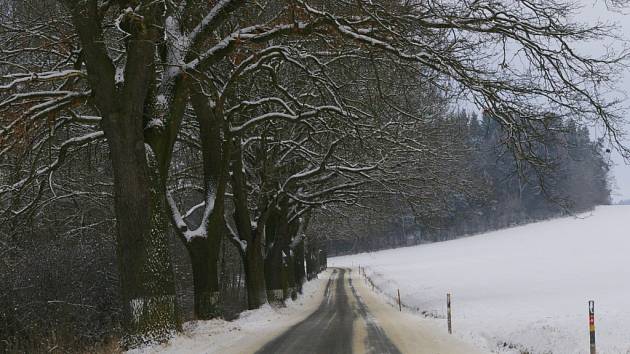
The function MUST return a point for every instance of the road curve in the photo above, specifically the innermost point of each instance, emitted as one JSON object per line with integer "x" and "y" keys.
{"x": 342, "y": 324}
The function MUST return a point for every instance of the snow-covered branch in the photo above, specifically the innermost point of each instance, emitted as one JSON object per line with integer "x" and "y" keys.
{"x": 18, "y": 79}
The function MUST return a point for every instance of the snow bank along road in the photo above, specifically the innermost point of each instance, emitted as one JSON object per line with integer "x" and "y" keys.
{"x": 351, "y": 320}
{"x": 523, "y": 289}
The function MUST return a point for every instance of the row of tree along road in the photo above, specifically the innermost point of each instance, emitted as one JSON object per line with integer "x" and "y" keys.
{"x": 242, "y": 128}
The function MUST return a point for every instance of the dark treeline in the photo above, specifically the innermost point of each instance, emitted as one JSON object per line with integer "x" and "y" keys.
{"x": 164, "y": 161}
{"x": 571, "y": 177}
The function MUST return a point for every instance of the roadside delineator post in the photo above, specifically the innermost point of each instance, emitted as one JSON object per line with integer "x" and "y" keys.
{"x": 399, "y": 304}
{"x": 591, "y": 325}
{"x": 448, "y": 313}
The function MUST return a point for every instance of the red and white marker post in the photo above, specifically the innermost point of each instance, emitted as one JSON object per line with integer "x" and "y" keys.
{"x": 591, "y": 325}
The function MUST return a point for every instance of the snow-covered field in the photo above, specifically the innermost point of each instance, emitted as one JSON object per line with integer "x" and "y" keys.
{"x": 525, "y": 287}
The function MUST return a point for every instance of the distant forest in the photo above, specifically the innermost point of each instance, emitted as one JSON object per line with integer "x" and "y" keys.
{"x": 569, "y": 175}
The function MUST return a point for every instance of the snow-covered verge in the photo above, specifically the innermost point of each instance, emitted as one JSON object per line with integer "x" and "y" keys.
{"x": 523, "y": 289}
{"x": 247, "y": 333}
{"x": 410, "y": 333}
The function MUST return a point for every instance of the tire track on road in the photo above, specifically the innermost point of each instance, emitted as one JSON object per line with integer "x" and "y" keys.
{"x": 330, "y": 329}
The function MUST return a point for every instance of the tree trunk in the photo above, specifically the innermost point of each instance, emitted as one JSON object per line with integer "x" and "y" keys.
{"x": 253, "y": 263}
{"x": 311, "y": 267}
{"x": 144, "y": 261}
{"x": 204, "y": 256}
{"x": 300, "y": 272}
{"x": 323, "y": 260}
{"x": 274, "y": 269}
{"x": 204, "y": 248}
{"x": 293, "y": 230}
{"x": 290, "y": 281}
{"x": 274, "y": 275}
{"x": 147, "y": 284}
{"x": 251, "y": 236}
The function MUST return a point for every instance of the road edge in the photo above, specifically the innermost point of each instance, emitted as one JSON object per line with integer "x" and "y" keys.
{"x": 410, "y": 332}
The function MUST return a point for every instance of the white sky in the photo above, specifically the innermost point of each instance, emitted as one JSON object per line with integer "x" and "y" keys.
{"x": 594, "y": 10}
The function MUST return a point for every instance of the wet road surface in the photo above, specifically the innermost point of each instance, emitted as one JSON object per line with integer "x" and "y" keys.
{"x": 342, "y": 324}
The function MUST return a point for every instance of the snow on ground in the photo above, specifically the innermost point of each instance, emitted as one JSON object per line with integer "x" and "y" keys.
{"x": 410, "y": 333}
{"x": 526, "y": 287}
{"x": 246, "y": 334}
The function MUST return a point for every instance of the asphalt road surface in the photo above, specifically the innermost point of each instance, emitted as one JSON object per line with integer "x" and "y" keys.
{"x": 342, "y": 324}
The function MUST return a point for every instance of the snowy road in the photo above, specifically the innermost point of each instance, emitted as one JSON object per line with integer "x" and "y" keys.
{"x": 352, "y": 320}
{"x": 330, "y": 328}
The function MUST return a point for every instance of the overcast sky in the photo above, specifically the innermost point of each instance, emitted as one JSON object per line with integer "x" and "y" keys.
{"x": 591, "y": 12}
{"x": 596, "y": 10}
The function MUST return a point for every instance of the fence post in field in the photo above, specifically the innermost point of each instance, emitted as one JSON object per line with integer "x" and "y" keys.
{"x": 399, "y": 304}
{"x": 448, "y": 313}
{"x": 591, "y": 325}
